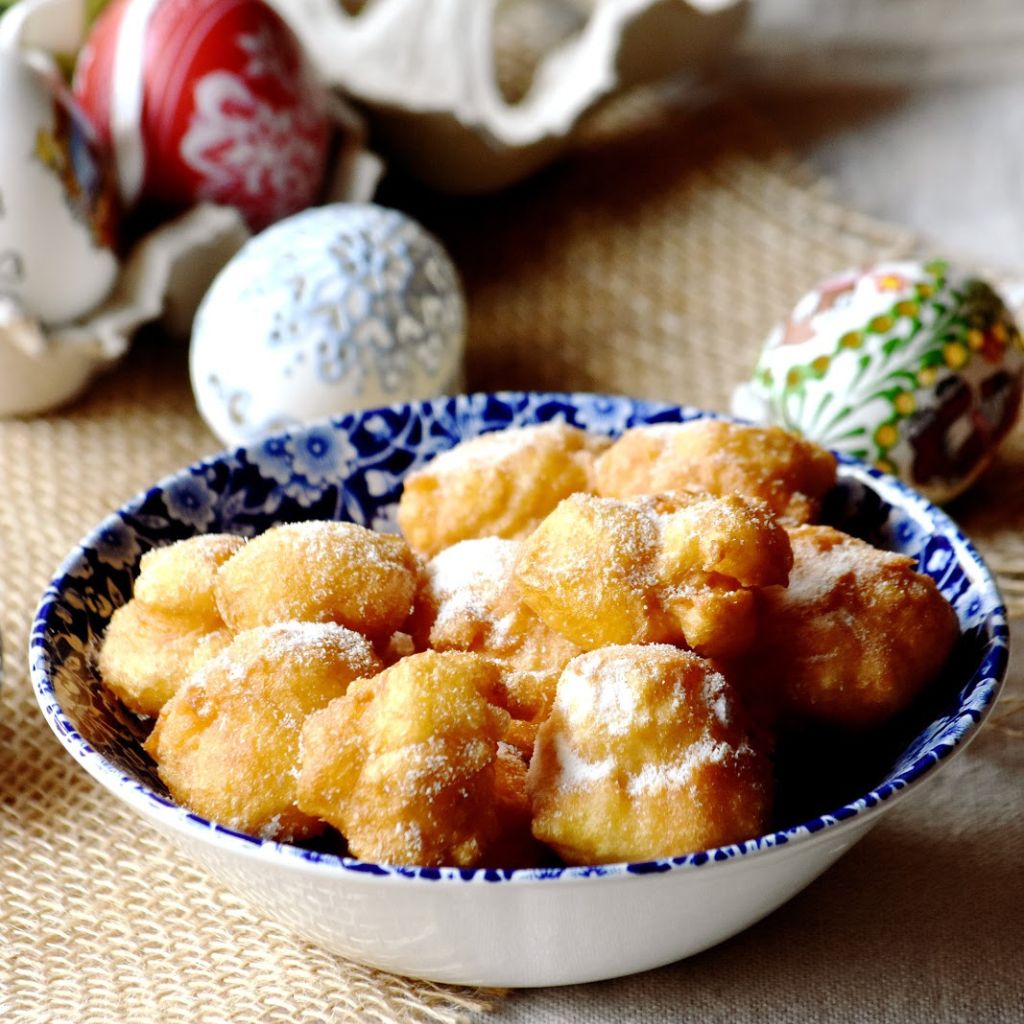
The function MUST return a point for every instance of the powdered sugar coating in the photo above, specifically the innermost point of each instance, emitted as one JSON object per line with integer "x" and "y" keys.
{"x": 305, "y": 644}
{"x": 599, "y": 690}
{"x": 467, "y": 579}
{"x": 787, "y": 472}
{"x": 500, "y": 484}
{"x": 404, "y": 763}
{"x": 681, "y": 773}
{"x": 179, "y": 579}
{"x": 676, "y": 568}
{"x": 836, "y": 557}
{"x": 468, "y": 600}
{"x": 642, "y": 755}
{"x": 855, "y": 636}
{"x": 502, "y": 446}
{"x": 227, "y": 743}
{"x": 319, "y": 572}
{"x": 574, "y": 772}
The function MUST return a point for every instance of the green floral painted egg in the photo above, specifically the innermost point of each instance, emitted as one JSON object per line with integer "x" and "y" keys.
{"x": 915, "y": 367}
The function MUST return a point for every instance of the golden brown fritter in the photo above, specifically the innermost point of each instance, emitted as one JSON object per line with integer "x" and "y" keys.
{"x": 500, "y": 484}
{"x": 179, "y": 579}
{"x": 146, "y": 655}
{"x": 319, "y": 572}
{"x": 404, "y": 764}
{"x": 227, "y": 743}
{"x": 786, "y": 472}
{"x": 469, "y": 601}
{"x": 676, "y": 568}
{"x": 644, "y": 755}
{"x": 151, "y": 643}
{"x": 856, "y": 635}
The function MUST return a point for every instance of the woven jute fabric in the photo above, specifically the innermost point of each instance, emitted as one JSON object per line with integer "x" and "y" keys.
{"x": 651, "y": 262}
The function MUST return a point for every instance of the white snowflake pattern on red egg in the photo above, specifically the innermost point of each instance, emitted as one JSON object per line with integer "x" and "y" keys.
{"x": 207, "y": 100}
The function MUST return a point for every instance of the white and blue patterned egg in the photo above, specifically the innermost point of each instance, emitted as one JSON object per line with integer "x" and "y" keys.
{"x": 338, "y": 308}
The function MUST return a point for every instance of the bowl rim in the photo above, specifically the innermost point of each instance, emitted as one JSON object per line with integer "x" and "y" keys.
{"x": 163, "y": 812}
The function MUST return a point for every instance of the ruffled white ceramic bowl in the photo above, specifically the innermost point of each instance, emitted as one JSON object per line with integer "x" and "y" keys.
{"x": 516, "y": 928}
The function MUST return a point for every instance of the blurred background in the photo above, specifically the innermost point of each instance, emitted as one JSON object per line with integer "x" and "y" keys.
{"x": 913, "y": 108}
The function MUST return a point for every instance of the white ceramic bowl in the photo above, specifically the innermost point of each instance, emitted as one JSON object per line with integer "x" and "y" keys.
{"x": 488, "y": 927}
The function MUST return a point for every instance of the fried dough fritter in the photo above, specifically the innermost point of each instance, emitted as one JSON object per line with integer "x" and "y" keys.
{"x": 179, "y": 579}
{"x": 514, "y": 846}
{"x": 588, "y": 571}
{"x": 319, "y": 572}
{"x": 856, "y": 635}
{"x": 151, "y": 642}
{"x": 146, "y": 656}
{"x": 786, "y": 472}
{"x": 643, "y": 756}
{"x": 676, "y": 568}
{"x": 582, "y": 651}
{"x": 469, "y": 601}
{"x": 404, "y": 764}
{"x": 500, "y": 484}
{"x": 227, "y": 743}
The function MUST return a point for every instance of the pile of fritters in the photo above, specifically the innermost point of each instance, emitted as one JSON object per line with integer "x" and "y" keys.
{"x": 581, "y": 648}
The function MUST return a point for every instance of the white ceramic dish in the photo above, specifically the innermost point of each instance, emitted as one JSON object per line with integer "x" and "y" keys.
{"x": 487, "y": 927}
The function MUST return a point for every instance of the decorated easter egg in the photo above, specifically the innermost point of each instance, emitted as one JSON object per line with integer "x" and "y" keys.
{"x": 914, "y": 367}
{"x": 207, "y": 100}
{"x": 58, "y": 202}
{"x": 338, "y": 308}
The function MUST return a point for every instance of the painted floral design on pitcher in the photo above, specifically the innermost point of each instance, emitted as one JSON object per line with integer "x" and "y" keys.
{"x": 916, "y": 368}
{"x": 68, "y": 149}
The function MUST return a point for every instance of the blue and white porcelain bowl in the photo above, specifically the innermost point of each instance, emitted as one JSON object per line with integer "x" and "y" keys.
{"x": 488, "y": 927}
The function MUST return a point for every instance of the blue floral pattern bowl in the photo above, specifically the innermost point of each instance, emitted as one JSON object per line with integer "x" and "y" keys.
{"x": 488, "y": 926}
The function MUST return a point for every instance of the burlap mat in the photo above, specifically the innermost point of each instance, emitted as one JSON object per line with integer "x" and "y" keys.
{"x": 650, "y": 263}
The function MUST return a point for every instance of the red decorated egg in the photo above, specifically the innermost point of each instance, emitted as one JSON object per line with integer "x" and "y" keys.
{"x": 207, "y": 100}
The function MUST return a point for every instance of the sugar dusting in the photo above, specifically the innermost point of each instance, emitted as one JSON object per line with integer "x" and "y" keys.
{"x": 817, "y": 570}
{"x": 597, "y": 687}
{"x": 599, "y": 690}
{"x": 716, "y": 696}
{"x": 304, "y": 641}
{"x": 680, "y": 773}
{"x": 466, "y": 580}
{"x": 298, "y": 644}
{"x": 318, "y": 542}
{"x": 494, "y": 448}
{"x": 633, "y": 533}
{"x": 573, "y": 770}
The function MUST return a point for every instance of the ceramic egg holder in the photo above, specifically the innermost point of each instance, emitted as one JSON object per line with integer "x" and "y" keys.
{"x": 426, "y": 71}
{"x": 165, "y": 274}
